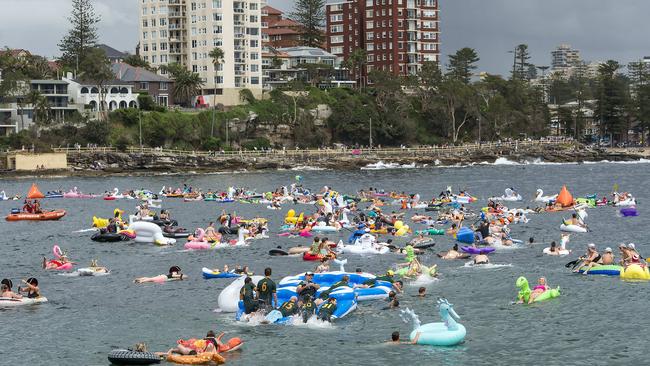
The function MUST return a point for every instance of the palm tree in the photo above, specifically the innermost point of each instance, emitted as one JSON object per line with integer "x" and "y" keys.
{"x": 187, "y": 84}
{"x": 355, "y": 63}
{"x": 217, "y": 56}
{"x": 40, "y": 106}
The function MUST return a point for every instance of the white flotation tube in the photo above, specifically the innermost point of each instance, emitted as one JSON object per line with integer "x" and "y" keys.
{"x": 228, "y": 300}
{"x": 573, "y": 228}
{"x": 10, "y": 302}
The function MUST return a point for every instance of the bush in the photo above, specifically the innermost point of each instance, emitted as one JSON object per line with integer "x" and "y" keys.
{"x": 259, "y": 143}
{"x": 122, "y": 143}
{"x": 211, "y": 144}
{"x": 146, "y": 102}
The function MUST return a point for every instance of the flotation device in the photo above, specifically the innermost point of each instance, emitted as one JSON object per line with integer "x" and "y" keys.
{"x": 208, "y": 273}
{"x": 629, "y": 211}
{"x": 34, "y": 193}
{"x": 634, "y": 271}
{"x": 431, "y": 231}
{"x": 44, "y": 216}
{"x": 564, "y": 197}
{"x": 568, "y": 227}
{"x": 465, "y": 235}
{"x": 311, "y": 257}
{"x": 200, "y": 359}
{"x": 10, "y": 302}
{"x": 525, "y": 292}
{"x": 472, "y": 250}
{"x": 127, "y": 357}
{"x": 606, "y": 270}
{"x": 232, "y": 344}
{"x": 446, "y": 333}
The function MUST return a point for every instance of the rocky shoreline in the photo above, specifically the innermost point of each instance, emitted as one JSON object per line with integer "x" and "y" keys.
{"x": 153, "y": 163}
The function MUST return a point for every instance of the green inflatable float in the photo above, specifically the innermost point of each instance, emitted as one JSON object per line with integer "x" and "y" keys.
{"x": 525, "y": 292}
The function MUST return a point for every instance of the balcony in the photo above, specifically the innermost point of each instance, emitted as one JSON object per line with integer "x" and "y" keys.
{"x": 240, "y": 61}
{"x": 177, "y": 2}
{"x": 238, "y": 10}
{"x": 176, "y": 14}
{"x": 239, "y": 35}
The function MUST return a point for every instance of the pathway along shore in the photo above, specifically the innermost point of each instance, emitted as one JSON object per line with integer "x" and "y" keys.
{"x": 135, "y": 161}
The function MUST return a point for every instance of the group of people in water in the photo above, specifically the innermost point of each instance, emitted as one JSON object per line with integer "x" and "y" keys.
{"x": 593, "y": 258}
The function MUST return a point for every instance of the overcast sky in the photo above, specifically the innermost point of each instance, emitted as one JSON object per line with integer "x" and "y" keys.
{"x": 601, "y": 29}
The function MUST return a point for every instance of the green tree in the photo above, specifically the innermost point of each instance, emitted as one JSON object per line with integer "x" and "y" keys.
{"x": 611, "y": 96}
{"x": 355, "y": 62}
{"x": 82, "y": 37}
{"x": 522, "y": 56}
{"x": 217, "y": 57}
{"x": 97, "y": 70}
{"x": 40, "y": 106}
{"x": 310, "y": 14}
{"x": 137, "y": 61}
{"x": 462, "y": 64}
{"x": 187, "y": 84}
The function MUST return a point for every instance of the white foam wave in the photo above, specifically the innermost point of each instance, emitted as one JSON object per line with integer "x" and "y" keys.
{"x": 380, "y": 165}
{"x": 307, "y": 168}
{"x": 486, "y": 266}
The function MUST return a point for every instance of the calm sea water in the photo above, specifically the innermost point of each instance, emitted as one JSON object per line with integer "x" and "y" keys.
{"x": 598, "y": 320}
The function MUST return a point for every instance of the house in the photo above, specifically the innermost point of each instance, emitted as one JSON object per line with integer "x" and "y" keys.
{"x": 117, "y": 95}
{"x": 112, "y": 54}
{"x": 144, "y": 81}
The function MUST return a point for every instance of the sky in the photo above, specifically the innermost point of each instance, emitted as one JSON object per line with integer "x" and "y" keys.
{"x": 600, "y": 29}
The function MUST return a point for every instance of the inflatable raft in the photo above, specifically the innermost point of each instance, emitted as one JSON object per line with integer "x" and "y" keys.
{"x": 128, "y": 357}
{"x": 44, "y": 216}
{"x": 10, "y": 302}
{"x": 208, "y": 273}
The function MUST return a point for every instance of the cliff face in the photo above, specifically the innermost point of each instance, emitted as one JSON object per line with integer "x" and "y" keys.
{"x": 151, "y": 162}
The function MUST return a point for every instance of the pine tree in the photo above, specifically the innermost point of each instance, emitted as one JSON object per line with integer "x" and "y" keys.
{"x": 82, "y": 36}
{"x": 462, "y": 64}
{"x": 310, "y": 14}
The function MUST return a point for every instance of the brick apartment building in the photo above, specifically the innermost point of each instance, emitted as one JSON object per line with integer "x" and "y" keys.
{"x": 277, "y": 31}
{"x": 398, "y": 35}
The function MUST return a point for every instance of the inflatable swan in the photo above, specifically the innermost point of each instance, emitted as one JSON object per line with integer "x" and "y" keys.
{"x": 228, "y": 300}
{"x": 148, "y": 232}
{"x": 447, "y": 333}
{"x": 561, "y": 250}
{"x": 539, "y": 197}
{"x": 3, "y": 196}
{"x": 510, "y": 195}
{"x": 568, "y": 227}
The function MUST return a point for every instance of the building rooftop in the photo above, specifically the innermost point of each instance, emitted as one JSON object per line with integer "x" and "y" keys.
{"x": 305, "y": 52}
{"x": 128, "y": 73}
{"x": 276, "y": 31}
{"x": 52, "y": 81}
{"x": 111, "y": 52}
{"x": 271, "y": 10}
{"x": 284, "y": 23}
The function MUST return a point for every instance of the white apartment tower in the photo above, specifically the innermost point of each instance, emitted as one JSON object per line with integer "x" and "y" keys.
{"x": 185, "y": 31}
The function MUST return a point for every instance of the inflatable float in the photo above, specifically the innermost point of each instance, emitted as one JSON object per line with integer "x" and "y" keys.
{"x": 11, "y": 302}
{"x": 112, "y": 237}
{"x": 565, "y": 198}
{"x": 431, "y": 231}
{"x": 228, "y": 300}
{"x": 473, "y": 250}
{"x": 629, "y": 212}
{"x": 634, "y": 272}
{"x": 509, "y": 195}
{"x": 567, "y": 227}
{"x": 447, "y": 333}
{"x": 525, "y": 292}
{"x": 465, "y": 235}
{"x": 128, "y": 357}
{"x": 209, "y": 273}
{"x": 605, "y": 270}
{"x": 44, "y": 216}
{"x": 200, "y": 359}
{"x": 148, "y": 232}
{"x": 539, "y": 197}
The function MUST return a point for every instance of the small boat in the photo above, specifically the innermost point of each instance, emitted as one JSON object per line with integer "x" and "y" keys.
{"x": 43, "y": 216}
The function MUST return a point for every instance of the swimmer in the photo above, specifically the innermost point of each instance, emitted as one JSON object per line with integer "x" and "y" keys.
{"x": 174, "y": 274}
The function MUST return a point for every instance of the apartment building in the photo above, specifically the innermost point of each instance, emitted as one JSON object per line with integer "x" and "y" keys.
{"x": 564, "y": 57}
{"x": 398, "y": 35}
{"x": 184, "y": 32}
{"x": 278, "y": 31}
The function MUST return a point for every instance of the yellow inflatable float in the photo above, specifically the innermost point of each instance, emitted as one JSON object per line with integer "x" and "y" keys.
{"x": 635, "y": 272}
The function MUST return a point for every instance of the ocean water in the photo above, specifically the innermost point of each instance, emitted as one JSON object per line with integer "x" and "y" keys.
{"x": 599, "y": 320}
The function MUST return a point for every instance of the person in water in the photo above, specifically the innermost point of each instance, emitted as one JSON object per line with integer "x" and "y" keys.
{"x": 590, "y": 259}
{"x": 324, "y": 265}
{"x": 324, "y": 295}
{"x": 481, "y": 259}
{"x": 307, "y": 308}
{"x": 577, "y": 221}
{"x": 395, "y": 338}
{"x": 388, "y": 277}
{"x": 247, "y": 295}
{"x": 31, "y": 291}
{"x": 266, "y": 291}
{"x": 315, "y": 246}
{"x": 7, "y": 291}
{"x": 327, "y": 310}
{"x": 422, "y": 292}
{"x": 452, "y": 253}
{"x": 173, "y": 275}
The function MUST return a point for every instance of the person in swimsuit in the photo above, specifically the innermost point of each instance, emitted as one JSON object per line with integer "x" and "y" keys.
{"x": 174, "y": 274}
{"x": 625, "y": 254}
{"x": 324, "y": 265}
{"x": 32, "y": 291}
{"x": 7, "y": 290}
{"x": 590, "y": 259}
{"x": 452, "y": 253}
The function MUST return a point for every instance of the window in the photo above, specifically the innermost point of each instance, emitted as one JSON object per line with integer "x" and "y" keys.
{"x": 336, "y": 50}
{"x": 163, "y": 60}
{"x": 216, "y": 4}
{"x": 255, "y": 80}
{"x": 163, "y": 22}
{"x": 145, "y": 47}
{"x": 253, "y": 6}
{"x": 217, "y": 17}
{"x": 144, "y": 85}
{"x": 370, "y": 58}
{"x": 218, "y": 79}
{"x": 154, "y": 46}
{"x": 368, "y": 13}
{"x": 255, "y": 56}
{"x": 163, "y": 85}
{"x": 336, "y": 28}
{"x": 254, "y": 43}
{"x": 336, "y": 17}
{"x": 370, "y": 36}
{"x": 154, "y": 34}
{"x": 153, "y": 58}
{"x": 370, "y": 47}
{"x": 336, "y": 39}
{"x": 255, "y": 68}
{"x": 145, "y": 24}
{"x": 153, "y": 22}
{"x": 216, "y": 42}
{"x": 370, "y": 24}
{"x": 163, "y": 34}
{"x": 217, "y": 29}
{"x": 145, "y": 35}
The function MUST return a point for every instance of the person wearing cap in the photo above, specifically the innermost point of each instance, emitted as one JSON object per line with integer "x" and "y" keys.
{"x": 307, "y": 287}
{"x": 607, "y": 257}
{"x": 590, "y": 259}
{"x": 625, "y": 254}
{"x": 632, "y": 249}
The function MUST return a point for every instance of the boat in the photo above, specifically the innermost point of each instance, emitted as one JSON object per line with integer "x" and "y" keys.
{"x": 43, "y": 216}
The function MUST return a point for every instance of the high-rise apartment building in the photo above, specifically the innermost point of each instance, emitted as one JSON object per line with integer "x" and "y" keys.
{"x": 564, "y": 57}
{"x": 185, "y": 31}
{"x": 398, "y": 35}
